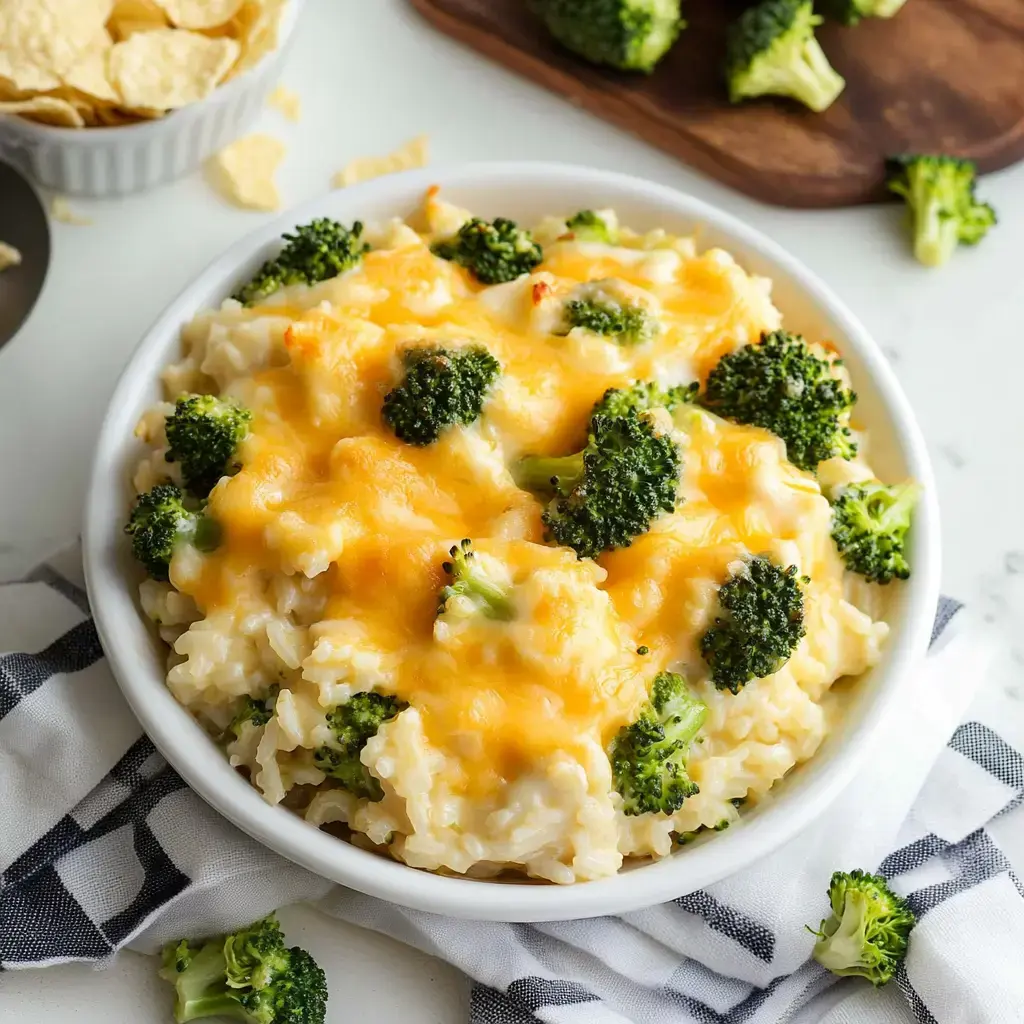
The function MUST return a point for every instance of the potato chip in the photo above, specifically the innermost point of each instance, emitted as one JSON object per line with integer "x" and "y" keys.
{"x": 287, "y": 102}
{"x": 60, "y": 210}
{"x": 9, "y": 256}
{"x": 23, "y": 75}
{"x": 243, "y": 172}
{"x": 47, "y": 109}
{"x": 169, "y": 68}
{"x": 200, "y": 13}
{"x": 51, "y": 34}
{"x": 258, "y": 23}
{"x": 131, "y": 16}
{"x": 90, "y": 74}
{"x": 415, "y": 153}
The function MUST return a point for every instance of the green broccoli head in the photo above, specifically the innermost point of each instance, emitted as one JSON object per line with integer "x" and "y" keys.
{"x": 203, "y": 435}
{"x": 868, "y": 931}
{"x": 611, "y": 492}
{"x": 352, "y": 724}
{"x": 316, "y": 252}
{"x": 468, "y": 580}
{"x": 642, "y": 396}
{"x": 869, "y": 525}
{"x": 781, "y": 385}
{"x": 250, "y": 975}
{"x": 939, "y": 191}
{"x": 254, "y": 711}
{"x": 160, "y": 522}
{"x": 606, "y": 308}
{"x": 762, "y": 622}
{"x": 590, "y": 226}
{"x": 441, "y": 388}
{"x": 649, "y": 756}
{"x": 632, "y": 35}
{"x": 771, "y": 50}
{"x": 850, "y": 12}
{"x": 493, "y": 252}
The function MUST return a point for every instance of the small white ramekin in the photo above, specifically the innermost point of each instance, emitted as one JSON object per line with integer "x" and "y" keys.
{"x": 113, "y": 161}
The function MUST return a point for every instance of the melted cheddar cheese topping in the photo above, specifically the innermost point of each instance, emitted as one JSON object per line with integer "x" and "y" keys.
{"x": 334, "y": 532}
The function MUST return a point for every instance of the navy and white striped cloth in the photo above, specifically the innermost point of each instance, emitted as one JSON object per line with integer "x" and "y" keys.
{"x": 103, "y": 846}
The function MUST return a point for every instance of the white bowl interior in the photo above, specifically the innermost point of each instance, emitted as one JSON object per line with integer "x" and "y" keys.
{"x": 525, "y": 192}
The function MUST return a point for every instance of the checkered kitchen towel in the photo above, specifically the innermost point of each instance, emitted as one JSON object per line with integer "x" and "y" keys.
{"x": 102, "y": 846}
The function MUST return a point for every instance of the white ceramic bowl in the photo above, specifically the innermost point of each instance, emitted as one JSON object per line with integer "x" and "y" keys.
{"x": 524, "y": 191}
{"x": 113, "y": 161}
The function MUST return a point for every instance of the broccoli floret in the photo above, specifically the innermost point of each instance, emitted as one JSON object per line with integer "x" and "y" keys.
{"x": 605, "y": 308}
{"x": 782, "y": 385}
{"x": 939, "y": 191}
{"x": 249, "y": 975}
{"x": 649, "y": 756}
{"x": 610, "y": 492}
{"x": 589, "y": 226}
{"x": 493, "y": 252}
{"x": 869, "y": 525}
{"x": 850, "y": 12}
{"x": 160, "y": 522}
{"x": 469, "y": 581}
{"x": 254, "y": 711}
{"x": 632, "y": 35}
{"x": 441, "y": 388}
{"x": 771, "y": 50}
{"x": 203, "y": 434}
{"x": 316, "y": 252}
{"x": 762, "y": 622}
{"x": 868, "y": 932}
{"x": 642, "y": 396}
{"x": 352, "y": 724}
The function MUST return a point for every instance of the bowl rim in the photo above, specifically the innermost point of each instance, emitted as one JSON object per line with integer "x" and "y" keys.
{"x": 172, "y": 729}
{"x": 140, "y": 129}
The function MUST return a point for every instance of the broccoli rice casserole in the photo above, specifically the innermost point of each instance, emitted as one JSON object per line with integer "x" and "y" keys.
{"x": 511, "y": 551}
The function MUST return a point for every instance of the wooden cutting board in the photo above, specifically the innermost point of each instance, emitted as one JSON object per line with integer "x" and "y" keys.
{"x": 942, "y": 76}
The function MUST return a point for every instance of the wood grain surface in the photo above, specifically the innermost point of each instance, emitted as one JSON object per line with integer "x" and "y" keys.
{"x": 942, "y": 76}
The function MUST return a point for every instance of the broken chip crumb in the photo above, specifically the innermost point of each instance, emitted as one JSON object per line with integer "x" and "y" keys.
{"x": 60, "y": 210}
{"x": 415, "y": 153}
{"x": 9, "y": 256}
{"x": 243, "y": 172}
{"x": 286, "y": 102}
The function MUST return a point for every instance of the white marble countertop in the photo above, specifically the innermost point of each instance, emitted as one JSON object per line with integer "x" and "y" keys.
{"x": 371, "y": 75}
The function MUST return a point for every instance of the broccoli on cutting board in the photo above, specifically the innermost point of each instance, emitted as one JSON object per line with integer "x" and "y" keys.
{"x": 632, "y": 35}
{"x": 771, "y": 50}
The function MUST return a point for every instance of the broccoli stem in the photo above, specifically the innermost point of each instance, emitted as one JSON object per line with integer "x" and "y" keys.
{"x": 936, "y": 233}
{"x": 810, "y": 79}
{"x": 549, "y": 473}
{"x": 899, "y": 511}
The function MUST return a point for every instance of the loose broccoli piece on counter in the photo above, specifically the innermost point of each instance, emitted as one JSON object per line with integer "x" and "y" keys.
{"x": 316, "y": 252}
{"x": 869, "y": 525}
{"x": 771, "y": 50}
{"x": 352, "y": 724}
{"x": 469, "y": 580}
{"x": 600, "y": 310}
{"x": 249, "y": 975}
{"x": 632, "y": 35}
{"x": 850, "y": 12}
{"x": 649, "y": 756}
{"x": 782, "y": 385}
{"x": 643, "y": 395}
{"x": 939, "y": 191}
{"x": 203, "y": 434}
{"x": 868, "y": 932}
{"x": 160, "y": 522}
{"x": 589, "y": 226}
{"x": 762, "y": 622}
{"x": 610, "y": 492}
{"x": 441, "y": 388}
{"x": 493, "y": 252}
